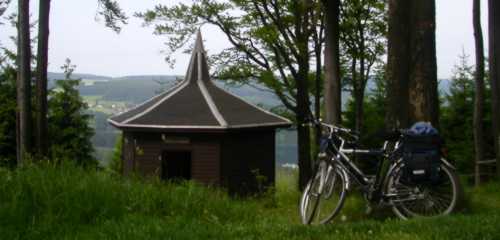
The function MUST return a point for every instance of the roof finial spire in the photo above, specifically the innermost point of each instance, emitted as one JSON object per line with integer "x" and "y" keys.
{"x": 198, "y": 46}
{"x": 198, "y": 67}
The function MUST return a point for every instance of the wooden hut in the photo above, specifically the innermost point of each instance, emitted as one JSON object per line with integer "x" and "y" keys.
{"x": 199, "y": 131}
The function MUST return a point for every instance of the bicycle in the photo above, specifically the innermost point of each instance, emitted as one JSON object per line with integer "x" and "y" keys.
{"x": 325, "y": 193}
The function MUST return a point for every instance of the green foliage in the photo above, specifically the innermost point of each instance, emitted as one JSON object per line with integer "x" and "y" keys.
{"x": 8, "y": 117}
{"x": 3, "y": 7}
{"x": 363, "y": 27}
{"x": 457, "y": 117}
{"x": 69, "y": 130}
{"x": 113, "y": 14}
{"x": 49, "y": 201}
{"x": 116, "y": 164}
{"x": 68, "y": 124}
{"x": 374, "y": 107}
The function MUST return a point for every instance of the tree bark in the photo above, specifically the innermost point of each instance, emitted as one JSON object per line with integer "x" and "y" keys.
{"x": 398, "y": 64}
{"x": 304, "y": 137}
{"x": 412, "y": 68}
{"x": 360, "y": 93}
{"x": 358, "y": 100}
{"x": 332, "y": 84}
{"x": 494, "y": 71}
{"x": 41, "y": 80}
{"x": 24, "y": 82}
{"x": 423, "y": 90}
{"x": 318, "y": 77}
{"x": 357, "y": 93}
{"x": 317, "y": 94}
{"x": 302, "y": 32}
{"x": 479, "y": 85}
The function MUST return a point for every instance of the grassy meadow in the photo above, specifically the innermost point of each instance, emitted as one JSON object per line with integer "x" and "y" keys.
{"x": 48, "y": 202}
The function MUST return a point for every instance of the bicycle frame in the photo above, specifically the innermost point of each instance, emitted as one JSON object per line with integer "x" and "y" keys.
{"x": 339, "y": 155}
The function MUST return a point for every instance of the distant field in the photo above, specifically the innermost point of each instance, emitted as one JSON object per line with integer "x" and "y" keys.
{"x": 98, "y": 104}
{"x": 70, "y": 203}
{"x": 91, "y": 98}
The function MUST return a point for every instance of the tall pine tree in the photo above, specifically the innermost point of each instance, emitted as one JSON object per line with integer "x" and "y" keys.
{"x": 479, "y": 88}
{"x": 23, "y": 83}
{"x": 41, "y": 130}
{"x": 494, "y": 74}
{"x": 69, "y": 130}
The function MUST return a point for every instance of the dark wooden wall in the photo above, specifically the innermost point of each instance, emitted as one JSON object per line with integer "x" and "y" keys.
{"x": 128, "y": 153}
{"x": 243, "y": 161}
{"x": 148, "y": 148}
{"x": 247, "y": 157}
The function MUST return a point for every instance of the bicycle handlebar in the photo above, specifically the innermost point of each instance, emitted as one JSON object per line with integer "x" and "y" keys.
{"x": 333, "y": 128}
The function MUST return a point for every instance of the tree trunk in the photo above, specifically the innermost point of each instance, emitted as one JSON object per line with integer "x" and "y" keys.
{"x": 317, "y": 94}
{"x": 358, "y": 100}
{"x": 479, "y": 85}
{"x": 423, "y": 89}
{"x": 360, "y": 92}
{"x": 494, "y": 66}
{"x": 398, "y": 64}
{"x": 305, "y": 166}
{"x": 41, "y": 80}
{"x": 412, "y": 71}
{"x": 304, "y": 137}
{"x": 302, "y": 32}
{"x": 24, "y": 82}
{"x": 356, "y": 90}
{"x": 332, "y": 84}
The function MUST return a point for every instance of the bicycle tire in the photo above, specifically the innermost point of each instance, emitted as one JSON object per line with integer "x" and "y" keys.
{"x": 425, "y": 207}
{"x": 334, "y": 178}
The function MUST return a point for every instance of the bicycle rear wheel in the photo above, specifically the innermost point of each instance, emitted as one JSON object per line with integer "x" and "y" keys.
{"x": 424, "y": 200}
{"x": 323, "y": 196}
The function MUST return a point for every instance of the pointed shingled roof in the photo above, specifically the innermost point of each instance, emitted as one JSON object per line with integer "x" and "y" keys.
{"x": 197, "y": 103}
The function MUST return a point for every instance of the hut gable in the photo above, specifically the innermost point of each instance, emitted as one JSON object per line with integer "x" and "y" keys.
{"x": 197, "y": 103}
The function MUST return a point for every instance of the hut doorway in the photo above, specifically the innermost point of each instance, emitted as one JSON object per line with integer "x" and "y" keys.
{"x": 176, "y": 165}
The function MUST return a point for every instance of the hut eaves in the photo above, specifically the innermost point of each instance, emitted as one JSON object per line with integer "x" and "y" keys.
{"x": 197, "y": 103}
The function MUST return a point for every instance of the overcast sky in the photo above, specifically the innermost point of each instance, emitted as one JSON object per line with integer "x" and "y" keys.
{"x": 76, "y": 34}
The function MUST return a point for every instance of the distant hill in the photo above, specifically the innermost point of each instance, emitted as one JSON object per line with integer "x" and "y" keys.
{"x": 138, "y": 88}
{"x": 132, "y": 90}
{"x": 147, "y": 78}
{"x": 56, "y": 76}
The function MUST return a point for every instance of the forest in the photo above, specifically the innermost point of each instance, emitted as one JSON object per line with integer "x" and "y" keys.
{"x": 368, "y": 65}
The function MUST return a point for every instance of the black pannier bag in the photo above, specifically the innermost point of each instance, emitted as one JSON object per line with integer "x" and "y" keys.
{"x": 422, "y": 159}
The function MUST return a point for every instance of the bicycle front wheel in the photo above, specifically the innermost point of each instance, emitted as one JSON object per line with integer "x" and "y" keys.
{"x": 323, "y": 196}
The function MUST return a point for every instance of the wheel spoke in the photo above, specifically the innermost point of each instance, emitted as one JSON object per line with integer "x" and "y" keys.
{"x": 320, "y": 206}
{"x": 437, "y": 199}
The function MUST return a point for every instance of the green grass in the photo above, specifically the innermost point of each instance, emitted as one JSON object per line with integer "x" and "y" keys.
{"x": 47, "y": 202}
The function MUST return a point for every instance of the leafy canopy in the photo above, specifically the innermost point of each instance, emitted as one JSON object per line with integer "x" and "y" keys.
{"x": 112, "y": 13}
{"x": 8, "y": 116}
{"x": 270, "y": 39}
